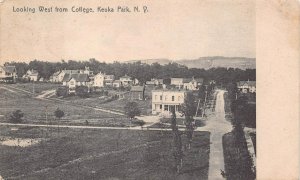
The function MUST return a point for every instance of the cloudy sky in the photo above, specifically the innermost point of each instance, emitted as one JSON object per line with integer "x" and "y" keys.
{"x": 171, "y": 29}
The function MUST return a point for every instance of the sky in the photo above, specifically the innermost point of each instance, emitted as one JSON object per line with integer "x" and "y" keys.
{"x": 170, "y": 29}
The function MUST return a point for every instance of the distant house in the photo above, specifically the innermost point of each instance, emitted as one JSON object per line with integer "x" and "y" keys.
{"x": 31, "y": 75}
{"x": 86, "y": 71}
{"x": 59, "y": 75}
{"x": 117, "y": 83}
{"x": 187, "y": 83}
{"x": 192, "y": 84}
{"x": 178, "y": 82}
{"x": 137, "y": 92}
{"x": 99, "y": 80}
{"x": 126, "y": 80}
{"x": 74, "y": 80}
{"x": 155, "y": 82}
{"x": 247, "y": 86}
{"x": 8, "y": 73}
{"x": 164, "y": 100}
{"x": 108, "y": 80}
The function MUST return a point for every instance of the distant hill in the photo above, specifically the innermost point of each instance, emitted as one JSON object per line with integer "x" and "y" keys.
{"x": 209, "y": 62}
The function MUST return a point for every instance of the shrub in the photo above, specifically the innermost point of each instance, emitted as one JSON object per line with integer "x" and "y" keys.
{"x": 132, "y": 110}
{"x": 138, "y": 122}
{"x": 82, "y": 91}
{"x": 16, "y": 116}
{"x": 62, "y": 91}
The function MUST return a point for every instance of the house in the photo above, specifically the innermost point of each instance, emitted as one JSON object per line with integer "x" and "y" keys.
{"x": 108, "y": 80}
{"x": 137, "y": 92}
{"x": 99, "y": 80}
{"x": 86, "y": 71}
{"x": 8, "y": 73}
{"x": 177, "y": 82}
{"x": 117, "y": 83}
{"x": 155, "y": 82}
{"x": 126, "y": 80}
{"x": 74, "y": 80}
{"x": 247, "y": 86}
{"x": 31, "y": 75}
{"x": 192, "y": 84}
{"x": 59, "y": 75}
{"x": 187, "y": 83}
{"x": 164, "y": 100}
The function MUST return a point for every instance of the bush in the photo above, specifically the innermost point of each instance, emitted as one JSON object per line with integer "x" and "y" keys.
{"x": 132, "y": 110}
{"x": 16, "y": 116}
{"x": 138, "y": 122}
{"x": 62, "y": 91}
{"x": 82, "y": 91}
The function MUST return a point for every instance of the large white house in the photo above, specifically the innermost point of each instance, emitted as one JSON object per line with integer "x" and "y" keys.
{"x": 8, "y": 73}
{"x": 126, "y": 80}
{"x": 101, "y": 80}
{"x": 31, "y": 75}
{"x": 74, "y": 80}
{"x": 164, "y": 100}
{"x": 187, "y": 83}
{"x": 247, "y": 86}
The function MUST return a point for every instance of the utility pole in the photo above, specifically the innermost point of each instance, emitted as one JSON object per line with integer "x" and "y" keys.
{"x": 197, "y": 107}
{"x": 204, "y": 106}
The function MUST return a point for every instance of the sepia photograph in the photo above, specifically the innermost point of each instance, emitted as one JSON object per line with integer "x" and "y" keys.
{"x": 119, "y": 90}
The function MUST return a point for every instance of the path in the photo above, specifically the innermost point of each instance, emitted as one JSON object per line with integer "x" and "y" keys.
{"x": 218, "y": 126}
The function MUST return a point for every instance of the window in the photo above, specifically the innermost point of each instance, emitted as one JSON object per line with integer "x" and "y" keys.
{"x": 166, "y": 108}
{"x": 155, "y": 97}
{"x": 166, "y": 97}
{"x": 161, "y": 97}
{"x": 160, "y": 106}
{"x": 72, "y": 83}
{"x": 173, "y": 98}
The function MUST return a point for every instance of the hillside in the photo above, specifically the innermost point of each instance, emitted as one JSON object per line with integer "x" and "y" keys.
{"x": 209, "y": 62}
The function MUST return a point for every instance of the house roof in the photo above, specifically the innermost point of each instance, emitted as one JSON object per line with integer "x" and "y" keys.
{"x": 246, "y": 83}
{"x": 77, "y": 77}
{"x": 117, "y": 81}
{"x": 71, "y": 71}
{"x": 137, "y": 89}
{"x": 187, "y": 80}
{"x": 126, "y": 76}
{"x": 9, "y": 69}
{"x": 56, "y": 73}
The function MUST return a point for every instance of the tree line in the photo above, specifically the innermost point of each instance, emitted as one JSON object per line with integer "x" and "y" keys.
{"x": 141, "y": 71}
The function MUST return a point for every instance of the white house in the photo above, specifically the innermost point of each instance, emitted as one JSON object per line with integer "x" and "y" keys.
{"x": 155, "y": 82}
{"x": 187, "y": 83}
{"x": 164, "y": 100}
{"x": 192, "y": 84}
{"x": 178, "y": 82}
{"x": 108, "y": 80}
{"x": 86, "y": 71}
{"x": 59, "y": 75}
{"x": 31, "y": 75}
{"x": 117, "y": 83}
{"x": 126, "y": 80}
{"x": 74, "y": 80}
{"x": 247, "y": 86}
{"x": 8, "y": 73}
{"x": 99, "y": 80}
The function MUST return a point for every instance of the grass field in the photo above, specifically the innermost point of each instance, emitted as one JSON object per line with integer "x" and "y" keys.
{"x": 101, "y": 154}
{"x": 35, "y": 110}
{"x": 37, "y": 86}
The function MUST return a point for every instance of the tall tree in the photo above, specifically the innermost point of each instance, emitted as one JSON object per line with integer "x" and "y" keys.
{"x": 177, "y": 144}
{"x": 189, "y": 109}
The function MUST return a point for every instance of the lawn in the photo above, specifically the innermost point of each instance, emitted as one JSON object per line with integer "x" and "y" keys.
{"x": 101, "y": 154}
{"x": 181, "y": 121}
{"x": 37, "y": 86}
{"x": 238, "y": 162}
{"x": 35, "y": 110}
